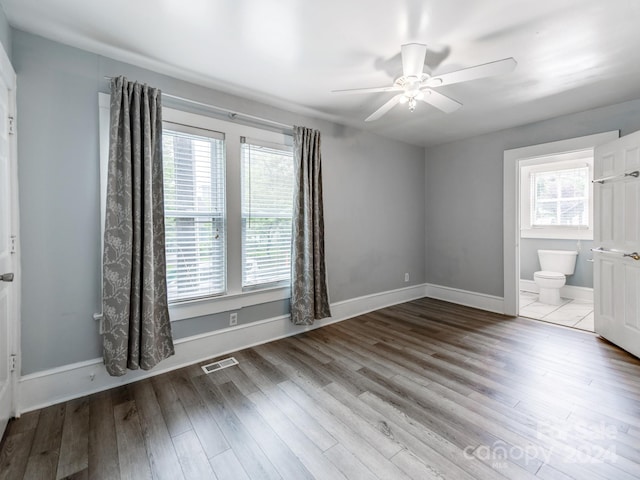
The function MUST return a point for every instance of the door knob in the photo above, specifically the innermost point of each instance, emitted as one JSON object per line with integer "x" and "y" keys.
{"x": 633, "y": 255}
{"x": 6, "y": 277}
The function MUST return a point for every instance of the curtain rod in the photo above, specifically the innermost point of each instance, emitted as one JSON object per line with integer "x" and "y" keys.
{"x": 229, "y": 113}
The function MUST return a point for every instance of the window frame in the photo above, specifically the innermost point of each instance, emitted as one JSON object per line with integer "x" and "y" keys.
{"x": 235, "y": 297}
{"x": 211, "y": 135}
{"x": 274, "y": 146}
{"x": 550, "y": 163}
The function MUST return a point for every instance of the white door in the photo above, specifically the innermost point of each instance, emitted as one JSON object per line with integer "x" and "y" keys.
{"x": 617, "y": 242}
{"x": 8, "y": 262}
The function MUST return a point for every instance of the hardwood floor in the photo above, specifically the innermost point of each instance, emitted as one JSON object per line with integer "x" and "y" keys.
{"x": 422, "y": 390}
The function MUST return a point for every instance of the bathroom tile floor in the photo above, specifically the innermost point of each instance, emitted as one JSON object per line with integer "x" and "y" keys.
{"x": 571, "y": 313}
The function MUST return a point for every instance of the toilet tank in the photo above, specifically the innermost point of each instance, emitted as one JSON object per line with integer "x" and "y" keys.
{"x": 561, "y": 261}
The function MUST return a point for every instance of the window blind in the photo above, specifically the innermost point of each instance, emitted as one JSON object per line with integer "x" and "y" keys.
{"x": 267, "y": 207}
{"x": 560, "y": 197}
{"x": 194, "y": 202}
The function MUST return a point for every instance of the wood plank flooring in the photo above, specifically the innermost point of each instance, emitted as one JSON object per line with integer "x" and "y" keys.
{"x": 422, "y": 390}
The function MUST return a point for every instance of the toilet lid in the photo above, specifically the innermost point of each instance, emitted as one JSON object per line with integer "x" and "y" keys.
{"x": 549, "y": 275}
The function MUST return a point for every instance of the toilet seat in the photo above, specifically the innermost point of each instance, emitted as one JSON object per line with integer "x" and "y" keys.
{"x": 549, "y": 275}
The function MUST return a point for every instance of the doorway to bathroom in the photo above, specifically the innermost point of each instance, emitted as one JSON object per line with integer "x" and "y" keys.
{"x": 556, "y": 237}
{"x": 555, "y": 207}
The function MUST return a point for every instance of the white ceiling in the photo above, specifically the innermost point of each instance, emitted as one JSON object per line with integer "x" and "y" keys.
{"x": 572, "y": 55}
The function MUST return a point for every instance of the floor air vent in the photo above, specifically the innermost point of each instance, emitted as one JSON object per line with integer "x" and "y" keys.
{"x": 219, "y": 365}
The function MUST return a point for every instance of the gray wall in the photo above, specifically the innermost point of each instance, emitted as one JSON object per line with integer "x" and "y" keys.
{"x": 464, "y": 194}
{"x": 373, "y": 192}
{"x": 529, "y": 264}
{"x": 5, "y": 33}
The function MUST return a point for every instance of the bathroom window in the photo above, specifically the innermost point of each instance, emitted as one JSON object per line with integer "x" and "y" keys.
{"x": 556, "y": 196}
{"x": 560, "y": 198}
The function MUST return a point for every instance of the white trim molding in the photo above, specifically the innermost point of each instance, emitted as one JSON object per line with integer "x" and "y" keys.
{"x": 41, "y": 389}
{"x": 568, "y": 291}
{"x": 482, "y": 301}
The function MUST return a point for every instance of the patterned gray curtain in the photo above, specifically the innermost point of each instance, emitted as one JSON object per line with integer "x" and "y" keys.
{"x": 309, "y": 298}
{"x": 134, "y": 293}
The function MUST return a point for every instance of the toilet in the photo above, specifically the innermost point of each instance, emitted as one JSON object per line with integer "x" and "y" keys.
{"x": 556, "y": 265}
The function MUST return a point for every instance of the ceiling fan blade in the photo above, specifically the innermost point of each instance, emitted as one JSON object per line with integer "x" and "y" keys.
{"x": 384, "y": 109}
{"x": 440, "y": 101}
{"x": 369, "y": 90}
{"x": 505, "y": 65}
{"x": 413, "y": 57}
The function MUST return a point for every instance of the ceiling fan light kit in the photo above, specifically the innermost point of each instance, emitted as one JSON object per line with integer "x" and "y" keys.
{"x": 417, "y": 85}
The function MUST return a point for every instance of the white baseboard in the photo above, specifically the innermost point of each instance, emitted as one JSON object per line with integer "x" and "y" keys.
{"x": 568, "y": 291}
{"x": 482, "y": 301}
{"x": 42, "y": 389}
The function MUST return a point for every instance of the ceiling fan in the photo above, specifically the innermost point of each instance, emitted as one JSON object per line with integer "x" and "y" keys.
{"x": 417, "y": 85}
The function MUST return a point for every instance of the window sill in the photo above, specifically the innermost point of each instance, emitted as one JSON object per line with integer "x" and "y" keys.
{"x": 226, "y": 303}
{"x": 560, "y": 234}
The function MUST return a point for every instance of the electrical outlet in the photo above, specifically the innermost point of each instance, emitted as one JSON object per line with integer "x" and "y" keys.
{"x": 406, "y": 277}
{"x": 233, "y": 319}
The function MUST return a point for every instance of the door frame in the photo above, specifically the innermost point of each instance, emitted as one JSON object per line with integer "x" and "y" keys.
{"x": 511, "y": 204}
{"x": 9, "y": 77}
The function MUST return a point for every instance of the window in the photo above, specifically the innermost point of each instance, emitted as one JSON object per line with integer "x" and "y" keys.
{"x": 560, "y": 197}
{"x": 194, "y": 203}
{"x": 267, "y": 208}
{"x": 228, "y": 205}
{"x": 556, "y": 196}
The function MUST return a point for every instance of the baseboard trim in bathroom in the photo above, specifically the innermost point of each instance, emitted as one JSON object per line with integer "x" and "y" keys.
{"x": 568, "y": 291}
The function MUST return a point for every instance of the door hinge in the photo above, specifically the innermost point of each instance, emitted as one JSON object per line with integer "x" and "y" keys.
{"x": 12, "y": 363}
{"x": 12, "y": 125}
{"x": 12, "y": 241}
